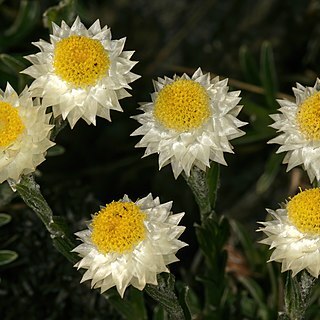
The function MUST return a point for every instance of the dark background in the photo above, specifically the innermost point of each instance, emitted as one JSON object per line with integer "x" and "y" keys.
{"x": 264, "y": 47}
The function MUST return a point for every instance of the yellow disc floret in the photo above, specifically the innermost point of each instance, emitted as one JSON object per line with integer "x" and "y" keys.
{"x": 308, "y": 117}
{"x": 118, "y": 227}
{"x": 11, "y": 125}
{"x": 304, "y": 211}
{"x": 80, "y": 61}
{"x": 182, "y": 105}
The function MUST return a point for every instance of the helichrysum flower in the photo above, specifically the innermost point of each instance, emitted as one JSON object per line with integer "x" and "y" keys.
{"x": 294, "y": 233}
{"x": 24, "y": 134}
{"x": 299, "y": 124}
{"x": 189, "y": 121}
{"x": 82, "y": 73}
{"x": 129, "y": 243}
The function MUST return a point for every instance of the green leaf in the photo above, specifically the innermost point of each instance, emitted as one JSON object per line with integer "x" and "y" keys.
{"x": 159, "y": 313}
{"x": 11, "y": 63}
{"x": 7, "y": 256}
{"x": 259, "y": 116}
{"x": 65, "y": 10}
{"x": 4, "y": 219}
{"x": 253, "y": 136}
{"x": 131, "y": 307}
{"x": 247, "y": 243}
{"x": 183, "y": 300}
{"x": 56, "y": 150}
{"x": 213, "y": 179}
{"x": 23, "y": 24}
{"x": 212, "y": 236}
{"x": 268, "y": 74}
{"x": 6, "y": 194}
{"x": 249, "y": 66}
{"x": 272, "y": 168}
{"x": 258, "y": 295}
{"x": 12, "y": 67}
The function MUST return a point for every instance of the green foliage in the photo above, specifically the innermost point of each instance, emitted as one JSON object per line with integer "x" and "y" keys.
{"x": 268, "y": 75}
{"x": 64, "y": 11}
{"x": 24, "y": 22}
{"x": 164, "y": 294}
{"x": 4, "y": 219}
{"x": 133, "y": 308}
{"x": 6, "y": 256}
{"x": 212, "y": 237}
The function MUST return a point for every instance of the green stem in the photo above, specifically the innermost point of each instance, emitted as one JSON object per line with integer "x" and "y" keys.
{"x": 198, "y": 183}
{"x": 30, "y": 192}
{"x": 164, "y": 294}
{"x": 297, "y": 293}
{"x": 212, "y": 235}
{"x": 59, "y": 125}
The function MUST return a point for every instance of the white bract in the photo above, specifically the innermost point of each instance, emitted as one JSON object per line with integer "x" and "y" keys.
{"x": 129, "y": 243}
{"x": 299, "y": 127}
{"x": 189, "y": 121}
{"x": 294, "y": 233}
{"x": 81, "y": 73}
{"x": 24, "y": 134}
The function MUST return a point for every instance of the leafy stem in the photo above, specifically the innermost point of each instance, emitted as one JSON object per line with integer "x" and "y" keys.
{"x": 30, "y": 193}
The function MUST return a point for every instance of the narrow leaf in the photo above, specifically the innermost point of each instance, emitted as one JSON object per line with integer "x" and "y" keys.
{"x": 7, "y": 256}
{"x": 213, "y": 179}
{"x": 270, "y": 173}
{"x": 249, "y": 66}
{"x": 183, "y": 300}
{"x": 268, "y": 74}
{"x": 4, "y": 219}
{"x": 65, "y": 10}
{"x": 24, "y": 22}
{"x": 56, "y": 150}
{"x": 11, "y": 63}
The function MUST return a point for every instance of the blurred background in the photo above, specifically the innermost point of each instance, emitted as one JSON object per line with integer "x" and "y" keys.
{"x": 264, "y": 47}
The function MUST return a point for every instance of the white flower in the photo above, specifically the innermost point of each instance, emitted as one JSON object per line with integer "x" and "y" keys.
{"x": 294, "y": 233}
{"x": 189, "y": 121}
{"x": 82, "y": 73}
{"x": 299, "y": 124}
{"x": 129, "y": 243}
{"x": 24, "y": 134}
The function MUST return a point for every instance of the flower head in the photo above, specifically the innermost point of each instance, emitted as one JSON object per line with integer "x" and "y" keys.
{"x": 129, "y": 243}
{"x": 82, "y": 73}
{"x": 24, "y": 134}
{"x": 294, "y": 233}
{"x": 189, "y": 121}
{"x": 299, "y": 124}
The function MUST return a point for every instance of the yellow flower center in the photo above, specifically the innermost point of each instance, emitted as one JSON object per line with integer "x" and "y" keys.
{"x": 304, "y": 211}
{"x": 80, "y": 61}
{"x": 308, "y": 117}
{"x": 118, "y": 227}
{"x": 182, "y": 105}
{"x": 11, "y": 125}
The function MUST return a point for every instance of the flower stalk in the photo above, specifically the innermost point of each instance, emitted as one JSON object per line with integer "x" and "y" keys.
{"x": 30, "y": 193}
{"x": 297, "y": 295}
{"x": 164, "y": 294}
{"x": 204, "y": 190}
